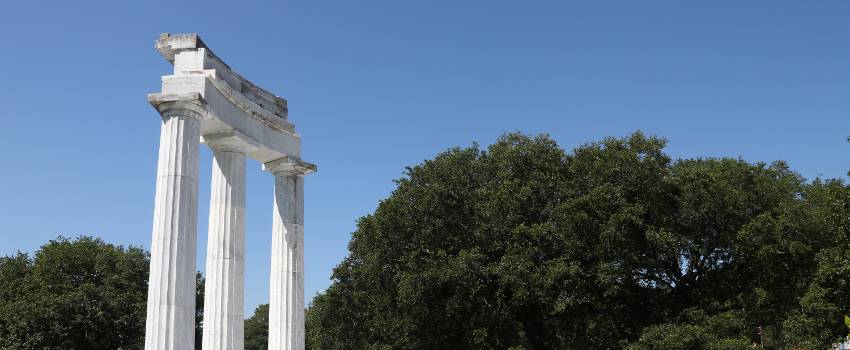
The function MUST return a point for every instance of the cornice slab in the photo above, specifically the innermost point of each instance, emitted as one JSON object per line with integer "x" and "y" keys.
{"x": 198, "y": 57}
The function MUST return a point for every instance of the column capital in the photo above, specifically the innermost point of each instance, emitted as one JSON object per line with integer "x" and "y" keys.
{"x": 231, "y": 141}
{"x": 289, "y": 165}
{"x": 188, "y": 105}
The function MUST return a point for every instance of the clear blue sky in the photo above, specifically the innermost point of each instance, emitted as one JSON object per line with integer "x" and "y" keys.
{"x": 374, "y": 86}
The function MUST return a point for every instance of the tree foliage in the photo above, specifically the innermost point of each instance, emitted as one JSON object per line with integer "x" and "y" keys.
{"x": 78, "y": 294}
{"x": 695, "y": 330}
{"x": 257, "y": 329}
{"x": 73, "y": 294}
{"x": 200, "y": 292}
{"x": 612, "y": 245}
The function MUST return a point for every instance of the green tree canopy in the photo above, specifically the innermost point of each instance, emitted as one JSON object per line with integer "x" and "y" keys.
{"x": 200, "y": 283}
{"x": 524, "y": 245}
{"x": 257, "y": 329}
{"x": 78, "y": 294}
{"x": 73, "y": 294}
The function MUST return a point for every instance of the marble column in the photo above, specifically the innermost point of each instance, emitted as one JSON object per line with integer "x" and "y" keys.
{"x": 225, "y": 264}
{"x": 170, "y": 322}
{"x": 286, "y": 304}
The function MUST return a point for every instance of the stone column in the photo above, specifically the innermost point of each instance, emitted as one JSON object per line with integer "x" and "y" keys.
{"x": 224, "y": 289}
{"x": 286, "y": 304}
{"x": 170, "y": 322}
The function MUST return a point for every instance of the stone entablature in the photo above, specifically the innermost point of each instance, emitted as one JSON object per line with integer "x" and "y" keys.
{"x": 173, "y": 46}
{"x": 233, "y": 102}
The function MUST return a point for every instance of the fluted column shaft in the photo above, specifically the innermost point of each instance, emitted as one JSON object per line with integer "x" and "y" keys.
{"x": 170, "y": 322}
{"x": 286, "y": 305}
{"x": 224, "y": 289}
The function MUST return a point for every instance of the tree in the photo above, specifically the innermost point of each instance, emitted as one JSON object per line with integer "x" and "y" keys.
{"x": 822, "y": 319}
{"x": 257, "y": 329}
{"x": 199, "y": 310}
{"x": 695, "y": 330}
{"x": 524, "y": 245}
{"x": 78, "y": 294}
{"x": 73, "y": 294}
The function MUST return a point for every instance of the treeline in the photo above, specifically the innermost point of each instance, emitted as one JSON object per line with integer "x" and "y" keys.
{"x": 613, "y": 245}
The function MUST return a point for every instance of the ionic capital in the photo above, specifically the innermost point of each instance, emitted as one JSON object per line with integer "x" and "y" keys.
{"x": 187, "y": 105}
{"x": 289, "y": 166}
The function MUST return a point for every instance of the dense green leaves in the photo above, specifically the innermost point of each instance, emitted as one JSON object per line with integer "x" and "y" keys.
{"x": 200, "y": 283}
{"x": 826, "y": 303}
{"x": 78, "y": 294}
{"x": 73, "y": 294}
{"x": 257, "y": 329}
{"x": 524, "y": 245}
{"x": 695, "y": 330}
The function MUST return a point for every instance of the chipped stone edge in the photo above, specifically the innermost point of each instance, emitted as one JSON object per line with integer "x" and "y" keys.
{"x": 289, "y": 164}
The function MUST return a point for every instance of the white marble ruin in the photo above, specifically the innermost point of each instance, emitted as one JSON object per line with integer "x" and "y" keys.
{"x": 205, "y": 101}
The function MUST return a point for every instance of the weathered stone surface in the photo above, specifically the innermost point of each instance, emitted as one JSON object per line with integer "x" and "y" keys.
{"x": 205, "y": 99}
{"x": 171, "y": 290}
{"x": 233, "y": 102}
{"x": 225, "y": 279}
{"x": 286, "y": 294}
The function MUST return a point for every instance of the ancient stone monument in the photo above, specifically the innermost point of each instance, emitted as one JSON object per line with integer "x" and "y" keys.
{"x": 205, "y": 101}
